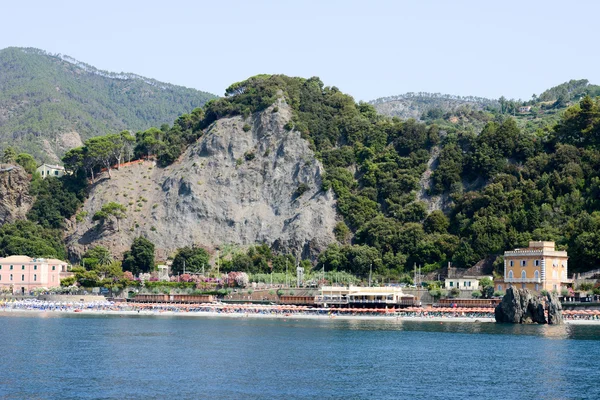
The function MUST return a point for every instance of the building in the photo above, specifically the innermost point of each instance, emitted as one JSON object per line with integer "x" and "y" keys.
{"x": 466, "y": 279}
{"x": 22, "y": 274}
{"x": 363, "y": 297}
{"x": 47, "y": 170}
{"x": 537, "y": 267}
{"x": 463, "y": 283}
{"x": 524, "y": 109}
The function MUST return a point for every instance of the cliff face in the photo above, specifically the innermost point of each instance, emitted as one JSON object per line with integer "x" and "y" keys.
{"x": 15, "y": 200}
{"x": 240, "y": 184}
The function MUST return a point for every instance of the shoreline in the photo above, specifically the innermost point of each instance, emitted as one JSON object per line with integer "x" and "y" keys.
{"x": 285, "y": 317}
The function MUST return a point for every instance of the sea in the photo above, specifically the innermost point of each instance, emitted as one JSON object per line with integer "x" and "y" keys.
{"x": 129, "y": 357}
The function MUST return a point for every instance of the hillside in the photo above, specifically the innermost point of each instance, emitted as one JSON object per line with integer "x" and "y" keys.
{"x": 406, "y": 192}
{"x": 239, "y": 184}
{"x": 51, "y": 103}
{"x": 432, "y": 105}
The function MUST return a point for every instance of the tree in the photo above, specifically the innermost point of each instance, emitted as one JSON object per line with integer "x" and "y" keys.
{"x": 96, "y": 256}
{"x": 27, "y": 162}
{"x": 10, "y": 155}
{"x": 111, "y": 271}
{"x": 101, "y": 149}
{"x": 140, "y": 258}
{"x": 111, "y": 211}
{"x": 487, "y": 287}
{"x": 193, "y": 258}
{"x": 436, "y": 222}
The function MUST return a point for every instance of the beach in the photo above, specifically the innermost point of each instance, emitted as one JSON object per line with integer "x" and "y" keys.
{"x": 45, "y": 309}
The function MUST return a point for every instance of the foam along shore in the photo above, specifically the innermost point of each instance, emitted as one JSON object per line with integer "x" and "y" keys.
{"x": 28, "y": 308}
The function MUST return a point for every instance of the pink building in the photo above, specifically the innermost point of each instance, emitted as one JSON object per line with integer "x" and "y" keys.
{"x": 21, "y": 274}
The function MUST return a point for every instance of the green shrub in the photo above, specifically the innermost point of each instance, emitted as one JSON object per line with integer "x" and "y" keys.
{"x": 249, "y": 155}
{"x": 476, "y": 294}
{"x": 246, "y": 127}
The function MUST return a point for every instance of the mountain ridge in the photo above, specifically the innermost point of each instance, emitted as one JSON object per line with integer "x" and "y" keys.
{"x": 50, "y": 103}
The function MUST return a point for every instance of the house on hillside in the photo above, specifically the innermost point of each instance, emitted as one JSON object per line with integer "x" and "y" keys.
{"x": 47, "y": 170}
{"x": 22, "y": 274}
{"x": 537, "y": 267}
{"x": 524, "y": 109}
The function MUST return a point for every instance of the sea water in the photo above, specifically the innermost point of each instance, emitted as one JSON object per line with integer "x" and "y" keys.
{"x": 112, "y": 357}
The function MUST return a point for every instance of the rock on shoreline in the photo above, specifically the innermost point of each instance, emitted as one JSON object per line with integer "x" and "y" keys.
{"x": 521, "y": 306}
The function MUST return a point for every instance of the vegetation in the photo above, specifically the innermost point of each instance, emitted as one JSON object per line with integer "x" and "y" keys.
{"x": 112, "y": 213}
{"x": 191, "y": 260}
{"x": 507, "y": 179}
{"x": 51, "y": 95}
{"x": 140, "y": 258}
{"x": 530, "y": 182}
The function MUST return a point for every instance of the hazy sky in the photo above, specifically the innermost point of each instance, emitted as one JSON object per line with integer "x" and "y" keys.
{"x": 367, "y": 48}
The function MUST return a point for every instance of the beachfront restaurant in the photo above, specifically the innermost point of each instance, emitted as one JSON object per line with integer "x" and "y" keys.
{"x": 363, "y": 297}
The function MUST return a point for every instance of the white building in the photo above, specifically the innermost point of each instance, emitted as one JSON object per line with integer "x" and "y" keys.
{"x": 463, "y": 283}
{"x": 47, "y": 170}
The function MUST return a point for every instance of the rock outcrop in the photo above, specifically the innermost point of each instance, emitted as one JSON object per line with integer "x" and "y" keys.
{"x": 245, "y": 181}
{"x": 521, "y": 306}
{"x": 15, "y": 200}
{"x": 554, "y": 307}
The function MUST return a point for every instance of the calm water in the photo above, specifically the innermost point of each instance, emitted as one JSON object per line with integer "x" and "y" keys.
{"x": 197, "y": 358}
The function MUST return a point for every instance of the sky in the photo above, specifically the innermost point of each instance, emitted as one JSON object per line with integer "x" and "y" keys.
{"x": 368, "y": 49}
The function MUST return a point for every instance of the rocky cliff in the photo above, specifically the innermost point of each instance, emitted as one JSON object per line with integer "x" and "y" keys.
{"x": 244, "y": 181}
{"x": 15, "y": 200}
{"x": 520, "y": 306}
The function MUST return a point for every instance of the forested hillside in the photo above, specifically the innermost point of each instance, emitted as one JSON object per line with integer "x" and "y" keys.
{"x": 533, "y": 180}
{"x": 529, "y": 176}
{"x": 51, "y": 103}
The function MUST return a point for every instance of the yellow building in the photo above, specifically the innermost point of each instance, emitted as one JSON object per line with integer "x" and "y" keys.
{"x": 537, "y": 267}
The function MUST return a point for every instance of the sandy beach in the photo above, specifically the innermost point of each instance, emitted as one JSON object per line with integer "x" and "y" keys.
{"x": 293, "y": 316}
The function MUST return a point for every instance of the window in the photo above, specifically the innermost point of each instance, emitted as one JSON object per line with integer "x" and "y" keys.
{"x": 11, "y": 267}
{"x": 23, "y": 278}
{"x": 510, "y": 274}
{"x": 537, "y": 287}
{"x": 11, "y": 277}
{"x": 469, "y": 283}
{"x": 499, "y": 287}
{"x": 34, "y": 277}
{"x": 523, "y": 274}
{"x": 512, "y": 263}
{"x": 22, "y": 267}
{"x": 54, "y": 268}
{"x": 522, "y": 286}
{"x": 451, "y": 283}
{"x": 55, "y": 172}
{"x": 536, "y": 274}
{"x": 35, "y": 267}
{"x": 537, "y": 263}
{"x": 523, "y": 263}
